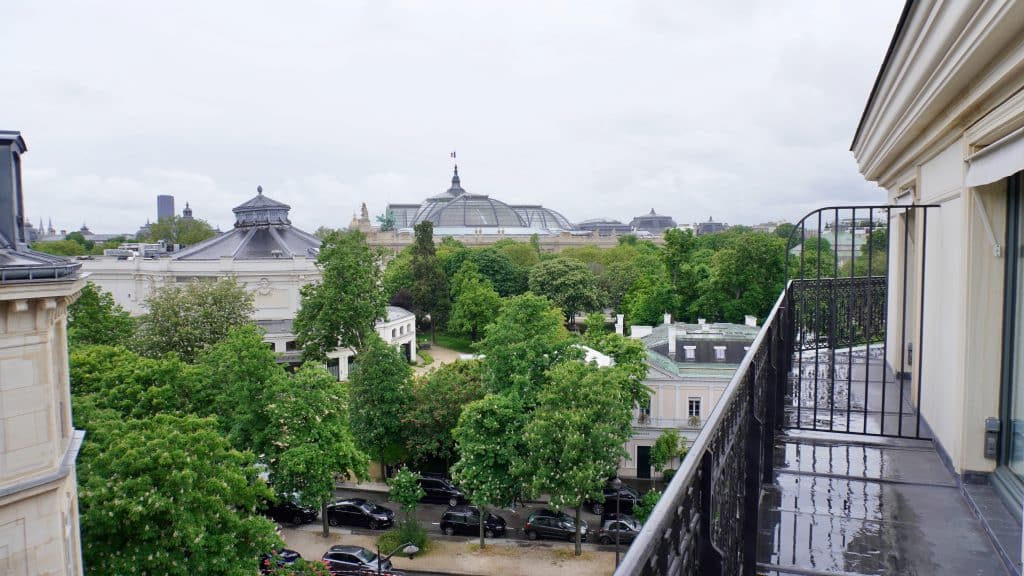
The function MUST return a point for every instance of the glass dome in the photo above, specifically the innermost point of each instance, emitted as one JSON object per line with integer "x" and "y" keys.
{"x": 540, "y": 217}
{"x": 469, "y": 210}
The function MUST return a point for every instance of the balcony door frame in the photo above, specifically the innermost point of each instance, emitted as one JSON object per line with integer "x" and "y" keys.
{"x": 1009, "y": 484}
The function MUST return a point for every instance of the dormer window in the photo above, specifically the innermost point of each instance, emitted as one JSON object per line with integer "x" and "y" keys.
{"x": 720, "y": 353}
{"x": 690, "y": 353}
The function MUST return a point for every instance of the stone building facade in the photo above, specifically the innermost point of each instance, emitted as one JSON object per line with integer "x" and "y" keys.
{"x": 39, "y": 527}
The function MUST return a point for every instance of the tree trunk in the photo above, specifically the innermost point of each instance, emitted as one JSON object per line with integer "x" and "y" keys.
{"x": 383, "y": 471}
{"x": 323, "y": 514}
{"x": 579, "y": 548}
{"x": 483, "y": 511}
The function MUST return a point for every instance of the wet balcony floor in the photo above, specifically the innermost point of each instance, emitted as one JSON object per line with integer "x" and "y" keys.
{"x": 843, "y": 505}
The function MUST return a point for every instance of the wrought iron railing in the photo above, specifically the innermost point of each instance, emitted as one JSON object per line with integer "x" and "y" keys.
{"x": 820, "y": 362}
{"x": 706, "y": 522}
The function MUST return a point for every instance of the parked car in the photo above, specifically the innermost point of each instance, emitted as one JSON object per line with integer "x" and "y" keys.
{"x": 278, "y": 559}
{"x": 627, "y": 498}
{"x": 624, "y": 525}
{"x": 288, "y": 509}
{"x": 440, "y": 490}
{"x": 359, "y": 512}
{"x": 465, "y": 519}
{"x": 547, "y": 523}
{"x": 353, "y": 559}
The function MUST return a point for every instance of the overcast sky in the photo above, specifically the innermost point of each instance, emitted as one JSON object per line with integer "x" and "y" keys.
{"x": 740, "y": 111}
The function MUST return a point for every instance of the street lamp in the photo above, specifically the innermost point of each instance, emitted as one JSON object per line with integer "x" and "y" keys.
{"x": 408, "y": 548}
{"x": 617, "y": 486}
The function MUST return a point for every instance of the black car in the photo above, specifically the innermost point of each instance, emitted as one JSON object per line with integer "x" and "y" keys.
{"x": 626, "y": 496}
{"x": 359, "y": 512}
{"x": 440, "y": 490}
{"x": 288, "y": 509}
{"x": 278, "y": 559}
{"x": 623, "y": 525}
{"x": 464, "y": 519}
{"x": 353, "y": 559}
{"x": 547, "y": 523}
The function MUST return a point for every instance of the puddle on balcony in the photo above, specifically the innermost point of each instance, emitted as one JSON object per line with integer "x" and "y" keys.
{"x": 874, "y": 510}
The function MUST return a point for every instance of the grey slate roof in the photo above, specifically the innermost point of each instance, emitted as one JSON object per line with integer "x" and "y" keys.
{"x": 262, "y": 232}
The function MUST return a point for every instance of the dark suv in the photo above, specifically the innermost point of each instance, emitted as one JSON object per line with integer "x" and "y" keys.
{"x": 627, "y": 498}
{"x": 465, "y": 519}
{"x": 287, "y": 509}
{"x": 440, "y": 490}
{"x": 547, "y": 523}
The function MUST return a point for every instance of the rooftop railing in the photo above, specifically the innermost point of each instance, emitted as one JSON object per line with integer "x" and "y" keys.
{"x": 813, "y": 366}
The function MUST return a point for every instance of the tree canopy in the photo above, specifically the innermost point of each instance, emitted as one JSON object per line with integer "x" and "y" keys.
{"x": 475, "y": 302}
{"x": 170, "y": 495}
{"x": 429, "y": 284}
{"x": 575, "y": 435}
{"x": 568, "y": 283}
{"x": 179, "y": 230}
{"x": 379, "y": 394}
{"x": 341, "y": 309}
{"x": 437, "y": 401}
{"x": 95, "y": 318}
{"x": 186, "y": 319}
{"x": 522, "y": 343}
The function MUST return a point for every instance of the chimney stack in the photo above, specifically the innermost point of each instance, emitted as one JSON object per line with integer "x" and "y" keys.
{"x": 12, "y": 206}
{"x": 668, "y": 318}
{"x": 750, "y": 320}
{"x": 620, "y": 324}
{"x": 672, "y": 341}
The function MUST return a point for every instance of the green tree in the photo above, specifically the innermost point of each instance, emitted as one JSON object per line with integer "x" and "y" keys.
{"x": 241, "y": 377}
{"x": 630, "y": 357}
{"x": 575, "y": 436}
{"x": 341, "y": 309}
{"x": 79, "y": 238}
{"x": 747, "y": 276}
{"x": 178, "y": 230}
{"x": 118, "y": 380}
{"x": 437, "y": 401}
{"x": 312, "y": 442}
{"x": 522, "y": 254}
{"x": 95, "y": 318}
{"x": 508, "y": 278}
{"x": 168, "y": 495}
{"x": 488, "y": 452}
{"x": 568, "y": 283}
{"x": 595, "y": 327}
{"x": 668, "y": 446}
{"x": 187, "y": 319}
{"x": 648, "y": 300}
{"x": 429, "y": 284}
{"x": 784, "y": 230}
{"x": 398, "y": 274}
{"x": 406, "y": 490}
{"x": 476, "y": 303}
{"x": 379, "y": 392}
{"x": 521, "y": 344}
{"x": 647, "y": 503}
{"x": 59, "y": 248}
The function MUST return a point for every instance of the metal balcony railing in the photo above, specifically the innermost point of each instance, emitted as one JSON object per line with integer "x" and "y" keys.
{"x": 819, "y": 363}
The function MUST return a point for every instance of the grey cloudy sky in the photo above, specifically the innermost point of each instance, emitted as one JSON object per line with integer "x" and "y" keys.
{"x": 739, "y": 110}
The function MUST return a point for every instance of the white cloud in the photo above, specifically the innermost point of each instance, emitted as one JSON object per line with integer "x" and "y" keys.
{"x": 738, "y": 110}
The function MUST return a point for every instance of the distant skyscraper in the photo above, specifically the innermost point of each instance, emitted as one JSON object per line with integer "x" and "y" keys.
{"x": 164, "y": 206}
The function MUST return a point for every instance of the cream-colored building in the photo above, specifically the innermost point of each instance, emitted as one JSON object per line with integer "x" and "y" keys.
{"x": 264, "y": 253}
{"x": 689, "y": 367}
{"x": 39, "y": 528}
{"x": 944, "y": 126}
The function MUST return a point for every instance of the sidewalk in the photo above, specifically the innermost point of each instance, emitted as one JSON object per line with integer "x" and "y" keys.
{"x": 441, "y": 356}
{"x": 462, "y": 556}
